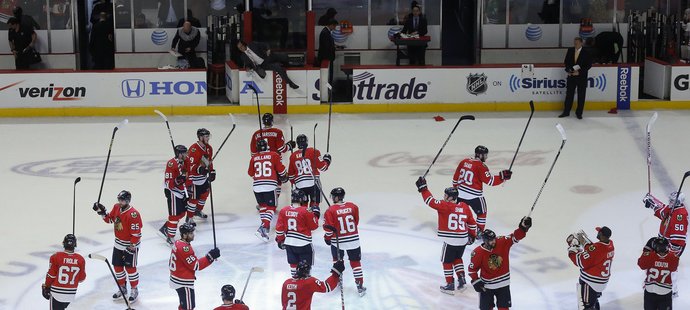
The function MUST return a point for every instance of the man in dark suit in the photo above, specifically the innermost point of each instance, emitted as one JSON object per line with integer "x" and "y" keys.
{"x": 416, "y": 25}
{"x": 258, "y": 57}
{"x": 577, "y": 64}
{"x": 327, "y": 47}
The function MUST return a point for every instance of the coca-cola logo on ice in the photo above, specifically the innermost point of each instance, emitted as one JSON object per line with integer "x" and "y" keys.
{"x": 120, "y": 167}
{"x": 496, "y": 158}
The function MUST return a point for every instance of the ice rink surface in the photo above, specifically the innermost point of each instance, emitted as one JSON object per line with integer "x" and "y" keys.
{"x": 600, "y": 179}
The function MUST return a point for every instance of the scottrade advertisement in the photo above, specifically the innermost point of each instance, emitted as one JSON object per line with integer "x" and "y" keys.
{"x": 117, "y": 89}
{"x": 453, "y": 85}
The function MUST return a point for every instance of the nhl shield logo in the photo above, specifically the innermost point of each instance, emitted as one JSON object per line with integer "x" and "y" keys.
{"x": 476, "y": 84}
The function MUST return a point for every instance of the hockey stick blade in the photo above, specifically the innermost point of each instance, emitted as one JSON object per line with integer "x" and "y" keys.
{"x": 562, "y": 131}
{"x": 232, "y": 118}
{"x": 257, "y": 269}
{"x": 122, "y": 124}
{"x": 97, "y": 256}
{"x": 467, "y": 117}
{"x": 651, "y": 122}
{"x": 161, "y": 115}
{"x": 531, "y": 105}
{"x": 77, "y": 180}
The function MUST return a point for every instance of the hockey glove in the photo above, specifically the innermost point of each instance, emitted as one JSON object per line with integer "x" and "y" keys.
{"x": 327, "y": 158}
{"x": 328, "y": 241}
{"x": 506, "y": 174}
{"x": 526, "y": 223}
{"x": 212, "y": 175}
{"x": 180, "y": 179}
{"x": 45, "y": 291}
{"x": 131, "y": 250}
{"x": 648, "y": 201}
{"x": 470, "y": 240}
{"x": 238, "y": 302}
{"x": 99, "y": 208}
{"x": 650, "y": 244}
{"x": 284, "y": 178}
{"x": 202, "y": 170}
{"x": 291, "y": 145}
{"x": 316, "y": 210}
{"x": 338, "y": 268}
{"x": 281, "y": 245}
{"x": 213, "y": 254}
{"x": 421, "y": 184}
{"x": 478, "y": 285}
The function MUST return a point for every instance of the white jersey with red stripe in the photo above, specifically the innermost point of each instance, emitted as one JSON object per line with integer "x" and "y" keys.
{"x": 344, "y": 217}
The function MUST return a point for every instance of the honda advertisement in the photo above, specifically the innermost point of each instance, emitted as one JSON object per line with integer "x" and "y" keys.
{"x": 472, "y": 85}
{"x": 116, "y": 89}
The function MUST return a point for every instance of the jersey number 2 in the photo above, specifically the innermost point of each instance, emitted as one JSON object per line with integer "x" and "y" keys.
{"x": 292, "y": 301}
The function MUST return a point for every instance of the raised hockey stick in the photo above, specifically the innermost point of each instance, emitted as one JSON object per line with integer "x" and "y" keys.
{"x": 317, "y": 181}
{"x": 254, "y": 269}
{"x": 462, "y": 118}
{"x": 107, "y": 160}
{"x": 232, "y": 118}
{"x": 649, "y": 152}
{"x": 340, "y": 258}
{"x": 564, "y": 138}
{"x": 172, "y": 142}
{"x": 258, "y": 107}
{"x": 213, "y": 216}
{"x": 531, "y": 107}
{"x": 292, "y": 185}
{"x": 74, "y": 202}
{"x": 103, "y": 258}
{"x": 330, "y": 112}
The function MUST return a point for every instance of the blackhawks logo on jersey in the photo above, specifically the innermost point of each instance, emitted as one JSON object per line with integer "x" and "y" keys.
{"x": 185, "y": 248}
{"x": 170, "y": 164}
{"x": 134, "y": 215}
{"x": 679, "y": 217}
{"x": 592, "y": 248}
{"x": 118, "y": 224}
{"x": 495, "y": 261}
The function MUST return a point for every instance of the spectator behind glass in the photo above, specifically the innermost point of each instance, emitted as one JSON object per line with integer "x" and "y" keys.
{"x": 188, "y": 38}
{"x": 325, "y": 18}
{"x": 170, "y": 12}
{"x": 21, "y": 41}
{"x": 190, "y": 17}
{"x": 36, "y": 10}
{"x": 101, "y": 45}
{"x": 101, "y": 6}
{"x": 26, "y": 21}
{"x": 416, "y": 25}
{"x": 59, "y": 14}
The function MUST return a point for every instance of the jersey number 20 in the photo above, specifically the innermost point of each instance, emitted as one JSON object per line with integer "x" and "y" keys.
{"x": 466, "y": 176}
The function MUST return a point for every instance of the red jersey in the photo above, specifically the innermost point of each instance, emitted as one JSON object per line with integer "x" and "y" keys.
{"x": 301, "y": 168}
{"x": 183, "y": 265}
{"x": 199, "y": 155}
{"x": 595, "y": 264}
{"x": 174, "y": 169}
{"x": 297, "y": 293}
{"x": 65, "y": 272}
{"x": 294, "y": 225}
{"x": 266, "y": 168}
{"x": 455, "y": 221}
{"x": 674, "y": 226}
{"x": 274, "y": 137}
{"x": 232, "y": 307}
{"x": 127, "y": 226}
{"x": 493, "y": 266}
{"x": 344, "y": 217}
{"x": 470, "y": 177}
{"x": 659, "y": 270}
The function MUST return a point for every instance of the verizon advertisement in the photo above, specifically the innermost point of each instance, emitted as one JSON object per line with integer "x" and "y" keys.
{"x": 680, "y": 83}
{"x": 102, "y": 89}
{"x": 273, "y": 90}
{"x": 464, "y": 85}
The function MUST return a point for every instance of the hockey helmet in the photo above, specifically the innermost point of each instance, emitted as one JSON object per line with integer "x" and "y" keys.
{"x": 303, "y": 269}
{"x": 660, "y": 245}
{"x": 480, "y": 149}
{"x": 124, "y": 195}
{"x": 69, "y": 242}
{"x": 227, "y": 292}
{"x": 302, "y": 142}
{"x": 339, "y": 193}
{"x": 452, "y": 192}
{"x": 202, "y": 132}
{"x": 298, "y": 196}
{"x": 267, "y": 119}
{"x": 187, "y": 228}
{"x": 180, "y": 149}
{"x": 262, "y": 145}
{"x": 676, "y": 202}
{"x": 488, "y": 235}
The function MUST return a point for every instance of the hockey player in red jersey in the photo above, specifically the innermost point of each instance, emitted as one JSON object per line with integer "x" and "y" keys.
{"x": 469, "y": 179}
{"x": 594, "y": 260}
{"x": 456, "y": 227}
{"x": 266, "y": 170}
{"x": 66, "y": 270}
{"x": 305, "y": 168}
{"x": 293, "y": 231}
{"x": 127, "y": 225}
{"x": 227, "y": 292}
{"x": 299, "y": 290}
{"x": 274, "y": 137}
{"x": 658, "y": 263}
{"x": 175, "y": 191}
{"x": 201, "y": 173}
{"x": 184, "y": 264}
{"x": 344, "y": 216}
{"x": 490, "y": 266}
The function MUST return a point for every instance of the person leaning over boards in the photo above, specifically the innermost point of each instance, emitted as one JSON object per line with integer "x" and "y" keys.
{"x": 416, "y": 25}
{"x": 259, "y": 57}
{"x": 577, "y": 64}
